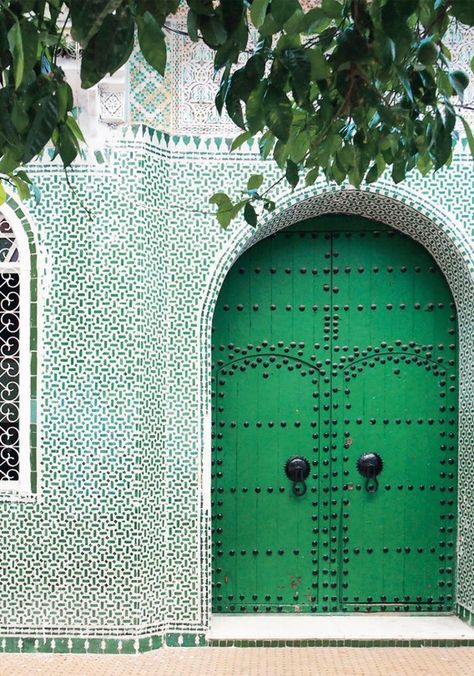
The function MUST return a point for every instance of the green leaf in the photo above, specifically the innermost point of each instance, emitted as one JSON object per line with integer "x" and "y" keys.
{"x": 225, "y": 54}
{"x": 234, "y": 108}
{"x": 280, "y": 154}
{"x": 15, "y": 41}
{"x": 372, "y": 174}
{"x": 258, "y": 12}
{"x": 67, "y": 146}
{"x": 29, "y": 35}
{"x": 75, "y": 129}
{"x": 202, "y": 7}
{"x": 269, "y": 26}
{"x": 424, "y": 164}
{"x": 351, "y": 46}
{"x": 224, "y": 210}
{"x": 299, "y": 66}
{"x": 9, "y": 162}
{"x": 254, "y": 182}
{"x": 315, "y": 21}
{"x": 320, "y": 69}
{"x": 406, "y": 85}
{"x": 221, "y": 199}
{"x": 87, "y": 17}
{"x": 212, "y": 30}
{"x": 459, "y": 81}
{"x": 250, "y": 215}
{"x": 227, "y": 211}
{"x": 442, "y": 143}
{"x": 265, "y": 144}
{"x": 469, "y": 135}
{"x": 19, "y": 117}
{"x": 240, "y": 140}
{"x": 3, "y": 194}
{"x": 152, "y": 42}
{"x": 222, "y": 91}
{"x": 312, "y": 176}
{"x": 332, "y": 9}
{"x": 117, "y": 32}
{"x": 399, "y": 171}
{"x": 395, "y": 14}
{"x": 292, "y": 173}
{"x": 192, "y": 26}
{"x": 22, "y": 188}
{"x": 463, "y": 10}
{"x": 40, "y": 132}
{"x": 282, "y": 10}
{"x": 254, "y": 109}
{"x": 298, "y": 144}
{"x": 278, "y": 113}
{"x": 65, "y": 100}
{"x": 232, "y": 11}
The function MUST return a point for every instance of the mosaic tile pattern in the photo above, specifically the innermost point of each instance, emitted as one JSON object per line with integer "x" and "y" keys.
{"x": 183, "y": 102}
{"x": 112, "y": 518}
{"x": 150, "y": 94}
{"x": 208, "y": 168}
{"x": 115, "y": 545}
{"x": 72, "y": 551}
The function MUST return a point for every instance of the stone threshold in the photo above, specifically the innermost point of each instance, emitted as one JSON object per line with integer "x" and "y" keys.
{"x": 381, "y": 629}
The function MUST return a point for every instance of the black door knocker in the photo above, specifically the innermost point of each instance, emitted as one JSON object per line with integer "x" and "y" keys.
{"x": 370, "y": 465}
{"x": 297, "y": 470}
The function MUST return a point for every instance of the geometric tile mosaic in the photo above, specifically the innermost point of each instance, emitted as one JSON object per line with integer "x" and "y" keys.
{"x": 183, "y": 101}
{"x": 114, "y": 547}
{"x": 116, "y": 543}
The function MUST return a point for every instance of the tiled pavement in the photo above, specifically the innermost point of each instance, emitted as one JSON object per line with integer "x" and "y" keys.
{"x": 250, "y": 662}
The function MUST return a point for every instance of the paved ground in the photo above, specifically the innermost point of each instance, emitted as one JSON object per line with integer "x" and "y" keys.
{"x": 251, "y": 662}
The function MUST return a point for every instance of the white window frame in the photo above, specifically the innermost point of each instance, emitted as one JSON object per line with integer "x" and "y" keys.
{"x": 23, "y": 268}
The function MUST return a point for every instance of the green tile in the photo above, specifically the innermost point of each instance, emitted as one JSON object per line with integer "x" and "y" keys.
{"x": 128, "y": 647}
{"x": 78, "y": 645}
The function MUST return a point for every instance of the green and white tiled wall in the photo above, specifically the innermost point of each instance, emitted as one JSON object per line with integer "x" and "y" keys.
{"x": 112, "y": 551}
{"x": 114, "y": 546}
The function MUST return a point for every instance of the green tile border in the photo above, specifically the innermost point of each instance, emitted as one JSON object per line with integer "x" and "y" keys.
{"x": 465, "y": 615}
{"x": 344, "y": 643}
{"x": 143, "y": 644}
{"x": 97, "y": 645}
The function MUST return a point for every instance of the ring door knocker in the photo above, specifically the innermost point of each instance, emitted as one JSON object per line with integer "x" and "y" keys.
{"x": 297, "y": 470}
{"x": 370, "y": 465}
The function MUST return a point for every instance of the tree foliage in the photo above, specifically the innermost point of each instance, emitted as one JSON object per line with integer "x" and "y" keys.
{"x": 348, "y": 89}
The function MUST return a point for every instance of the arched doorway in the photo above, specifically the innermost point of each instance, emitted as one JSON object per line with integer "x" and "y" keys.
{"x": 333, "y": 339}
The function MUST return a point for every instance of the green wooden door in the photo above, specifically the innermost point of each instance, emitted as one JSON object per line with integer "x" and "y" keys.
{"x": 332, "y": 339}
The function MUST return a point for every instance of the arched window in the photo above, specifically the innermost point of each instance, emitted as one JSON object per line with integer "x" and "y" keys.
{"x": 16, "y": 423}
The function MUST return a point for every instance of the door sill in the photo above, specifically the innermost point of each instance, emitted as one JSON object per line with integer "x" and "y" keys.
{"x": 378, "y": 628}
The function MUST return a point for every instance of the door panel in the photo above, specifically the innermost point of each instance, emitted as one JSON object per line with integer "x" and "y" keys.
{"x": 263, "y": 549}
{"x": 397, "y": 394}
{"x": 391, "y": 556}
{"x": 331, "y": 339}
{"x": 266, "y": 404}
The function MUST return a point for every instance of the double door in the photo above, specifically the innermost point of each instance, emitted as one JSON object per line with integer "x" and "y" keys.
{"x": 334, "y": 425}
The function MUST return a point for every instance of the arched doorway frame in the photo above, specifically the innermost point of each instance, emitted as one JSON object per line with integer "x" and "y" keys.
{"x": 444, "y": 238}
